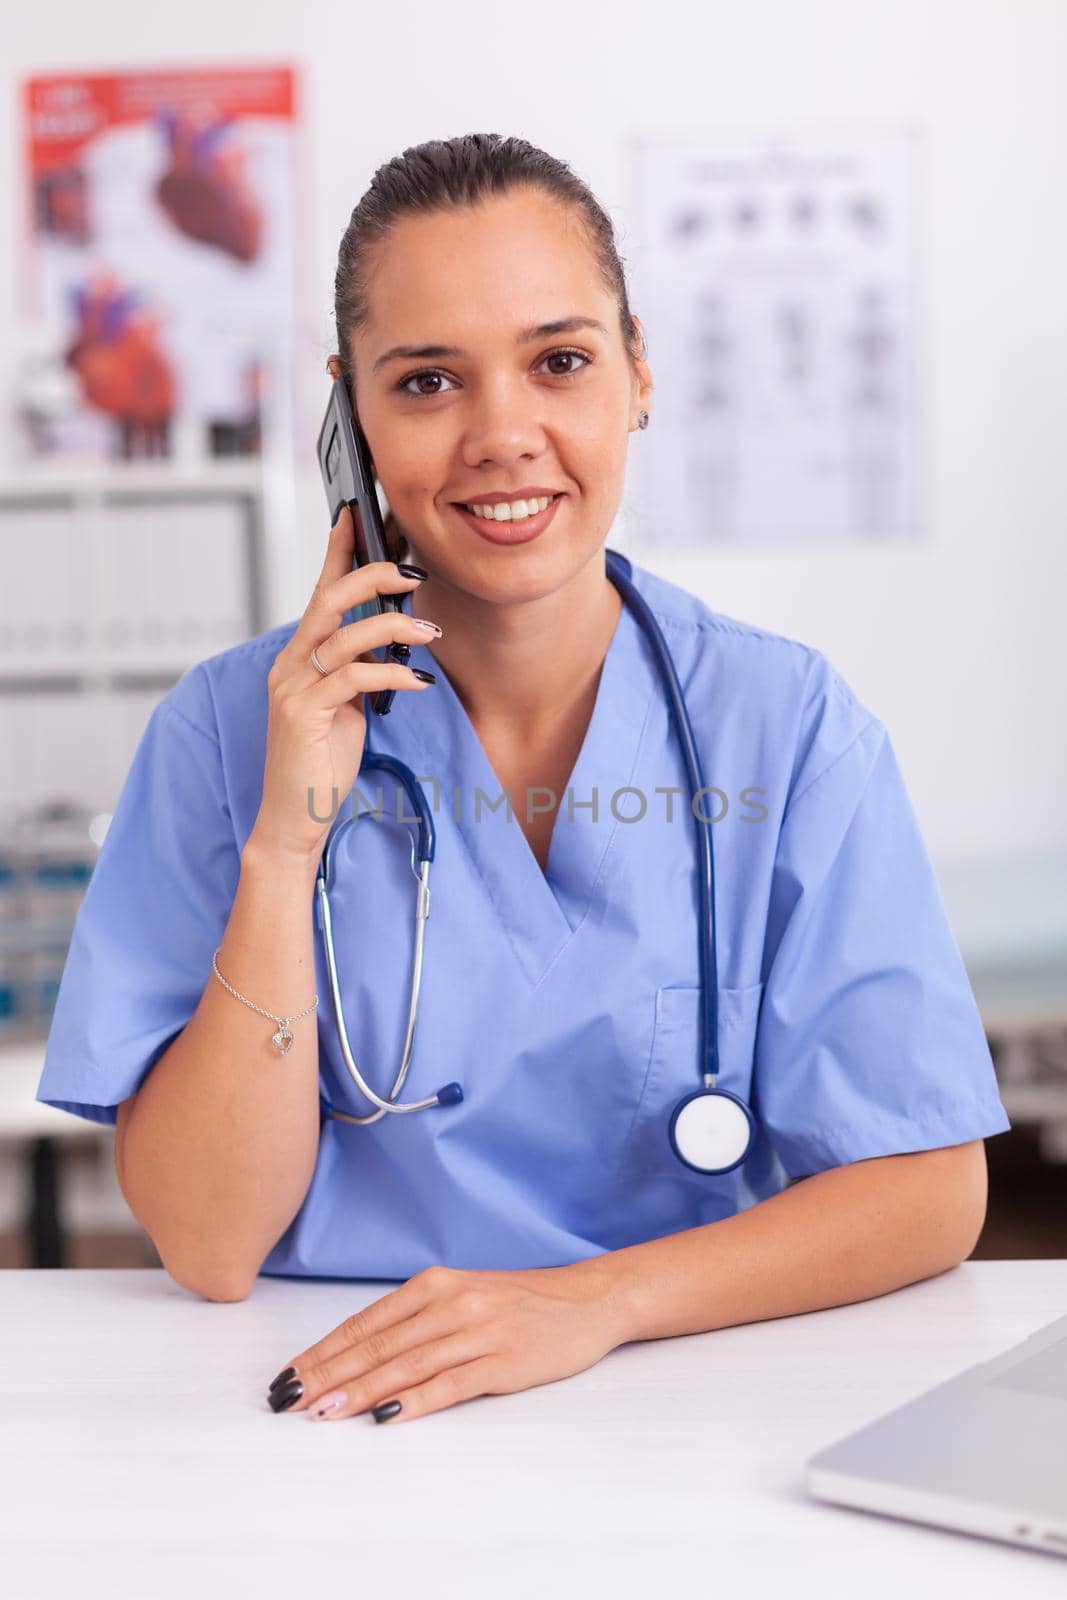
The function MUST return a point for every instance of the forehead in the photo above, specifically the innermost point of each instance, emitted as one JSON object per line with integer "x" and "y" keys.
{"x": 513, "y": 260}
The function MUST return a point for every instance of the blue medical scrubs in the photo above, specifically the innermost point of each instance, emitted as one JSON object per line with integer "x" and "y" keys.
{"x": 566, "y": 1003}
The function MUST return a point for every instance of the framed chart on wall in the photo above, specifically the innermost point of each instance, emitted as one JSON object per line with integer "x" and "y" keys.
{"x": 778, "y": 280}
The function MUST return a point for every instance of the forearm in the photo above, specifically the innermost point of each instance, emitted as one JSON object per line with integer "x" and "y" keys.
{"x": 221, "y": 1142}
{"x": 847, "y": 1234}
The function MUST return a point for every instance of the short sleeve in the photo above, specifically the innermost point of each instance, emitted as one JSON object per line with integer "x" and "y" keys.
{"x": 869, "y": 1040}
{"x": 154, "y": 911}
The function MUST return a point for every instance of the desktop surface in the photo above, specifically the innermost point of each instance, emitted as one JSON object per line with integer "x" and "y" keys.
{"x": 138, "y": 1454}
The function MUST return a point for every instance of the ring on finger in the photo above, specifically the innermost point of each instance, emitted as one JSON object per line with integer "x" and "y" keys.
{"x": 317, "y": 663}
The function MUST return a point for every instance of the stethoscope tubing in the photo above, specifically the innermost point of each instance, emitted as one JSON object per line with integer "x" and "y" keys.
{"x": 619, "y": 572}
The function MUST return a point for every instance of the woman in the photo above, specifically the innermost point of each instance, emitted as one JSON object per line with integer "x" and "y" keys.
{"x": 484, "y": 328}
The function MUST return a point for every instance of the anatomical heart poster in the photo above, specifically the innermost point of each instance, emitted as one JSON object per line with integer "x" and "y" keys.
{"x": 159, "y": 281}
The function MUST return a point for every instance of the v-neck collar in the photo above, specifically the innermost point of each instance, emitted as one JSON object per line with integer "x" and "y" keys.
{"x": 539, "y": 912}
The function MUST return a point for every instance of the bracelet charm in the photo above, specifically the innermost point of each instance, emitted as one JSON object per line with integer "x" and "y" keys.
{"x": 282, "y": 1039}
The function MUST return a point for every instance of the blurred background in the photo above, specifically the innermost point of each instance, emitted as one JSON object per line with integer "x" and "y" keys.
{"x": 844, "y": 227}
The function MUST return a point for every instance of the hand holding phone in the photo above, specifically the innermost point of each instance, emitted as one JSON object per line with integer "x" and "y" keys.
{"x": 316, "y": 725}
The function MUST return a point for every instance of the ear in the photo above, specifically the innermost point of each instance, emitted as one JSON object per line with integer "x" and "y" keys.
{"x": 641, "y": 379}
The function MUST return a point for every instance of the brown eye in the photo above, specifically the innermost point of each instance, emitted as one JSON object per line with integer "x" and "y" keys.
{"x": 415, "y": 377}
{"x": 568, "y": 355}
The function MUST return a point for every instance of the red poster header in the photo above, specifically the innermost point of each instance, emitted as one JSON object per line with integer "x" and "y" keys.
{"x": 63, "y": 114}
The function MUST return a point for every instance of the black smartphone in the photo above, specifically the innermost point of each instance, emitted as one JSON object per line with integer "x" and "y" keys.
{"x": 348, "y": 478}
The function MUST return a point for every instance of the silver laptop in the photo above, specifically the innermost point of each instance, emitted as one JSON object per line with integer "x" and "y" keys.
{"x": 984, "y": 1453}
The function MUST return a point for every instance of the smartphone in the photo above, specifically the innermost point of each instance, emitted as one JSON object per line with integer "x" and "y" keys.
{"x": 348, "y": 478}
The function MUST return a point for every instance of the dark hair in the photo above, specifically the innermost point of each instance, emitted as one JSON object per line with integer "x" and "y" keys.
{"x": 452, "y": 173}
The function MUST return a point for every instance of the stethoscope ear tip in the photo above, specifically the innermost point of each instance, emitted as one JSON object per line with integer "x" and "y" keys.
{"x": 450, "y": 1095}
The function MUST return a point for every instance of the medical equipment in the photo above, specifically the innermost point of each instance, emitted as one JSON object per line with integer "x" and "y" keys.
{"x": 711, "y": 1130}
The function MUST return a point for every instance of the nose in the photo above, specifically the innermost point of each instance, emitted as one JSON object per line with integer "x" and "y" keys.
{"x": 503, "y": 423}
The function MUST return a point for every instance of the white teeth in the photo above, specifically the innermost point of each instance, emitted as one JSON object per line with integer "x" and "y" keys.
{"x": 511, "y": 511}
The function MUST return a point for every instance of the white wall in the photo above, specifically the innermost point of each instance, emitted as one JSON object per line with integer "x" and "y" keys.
{"x": 955, "y": 643}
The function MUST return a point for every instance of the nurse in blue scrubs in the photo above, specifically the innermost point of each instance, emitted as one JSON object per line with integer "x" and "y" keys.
{"x": 484, "y": 327}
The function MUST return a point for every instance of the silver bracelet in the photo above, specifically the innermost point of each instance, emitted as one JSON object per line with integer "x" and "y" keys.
{"x": 283, "y": 1039}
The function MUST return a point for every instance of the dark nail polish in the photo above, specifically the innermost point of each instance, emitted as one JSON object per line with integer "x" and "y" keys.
{"x": 401, "y": 653}
{"x": 407, "y": 569}
{"x": 390, "y": 1409}
{"x": 423, "y": 676}
{"x": 288, "y": 1395}
{"x": 283, "y": 1377}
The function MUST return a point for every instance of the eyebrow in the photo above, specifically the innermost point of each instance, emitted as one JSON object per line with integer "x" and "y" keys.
{"x": 439, "y": 352}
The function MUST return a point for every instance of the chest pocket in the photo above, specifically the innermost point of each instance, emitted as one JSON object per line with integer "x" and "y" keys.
{"x": 674, "y": 1071}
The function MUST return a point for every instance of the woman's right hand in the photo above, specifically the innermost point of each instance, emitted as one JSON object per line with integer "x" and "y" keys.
{"x": 316, "y": 725}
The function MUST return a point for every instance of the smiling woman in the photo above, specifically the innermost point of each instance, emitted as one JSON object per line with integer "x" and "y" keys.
{"x": 509, "y": 386}
{"x": 546, "y": 1215}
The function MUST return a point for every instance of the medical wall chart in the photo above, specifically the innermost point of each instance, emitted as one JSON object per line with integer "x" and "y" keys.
{"x": 158, "y": 277}
{"x": 777, "y": 282}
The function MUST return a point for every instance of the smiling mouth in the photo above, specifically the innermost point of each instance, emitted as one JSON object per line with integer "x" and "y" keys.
{"x": 490, "y": 513}
{"x": 511, "y": 530}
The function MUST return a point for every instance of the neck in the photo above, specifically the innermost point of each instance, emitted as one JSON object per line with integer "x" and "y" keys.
{"x": 520, "y": 668}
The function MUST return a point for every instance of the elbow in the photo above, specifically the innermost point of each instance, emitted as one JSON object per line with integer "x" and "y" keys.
{"x": 972, "y": 1235}
{"x": 227, "y": 1291}
{"x": 218, "y": 1284}
{"x": 964, "y": 1190}
{"x": 210, "y": 1282}
{"x": 974, "y": 1197}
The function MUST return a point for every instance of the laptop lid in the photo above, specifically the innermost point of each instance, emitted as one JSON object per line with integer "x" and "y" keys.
{"x": 983, "y": 1453}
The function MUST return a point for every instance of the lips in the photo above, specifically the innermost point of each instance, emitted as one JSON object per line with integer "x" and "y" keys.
{"x": 510, "y": 532}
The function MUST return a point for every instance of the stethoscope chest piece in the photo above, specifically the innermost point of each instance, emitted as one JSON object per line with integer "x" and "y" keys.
{"x": 712, "y": 1130}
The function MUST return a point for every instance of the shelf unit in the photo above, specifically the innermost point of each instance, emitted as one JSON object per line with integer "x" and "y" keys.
{"x": 117, "y": 579}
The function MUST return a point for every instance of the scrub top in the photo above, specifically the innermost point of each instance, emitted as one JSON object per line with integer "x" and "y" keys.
{"x": 566, "y": 1003}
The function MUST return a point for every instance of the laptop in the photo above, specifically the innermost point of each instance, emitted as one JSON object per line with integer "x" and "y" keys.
{"x": 984, "y": 1453}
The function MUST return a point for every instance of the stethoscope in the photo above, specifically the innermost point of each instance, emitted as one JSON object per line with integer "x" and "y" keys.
{"x": 711, "y": 1130}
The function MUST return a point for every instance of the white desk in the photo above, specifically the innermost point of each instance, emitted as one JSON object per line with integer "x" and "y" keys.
{"x": 138, "y": 1456}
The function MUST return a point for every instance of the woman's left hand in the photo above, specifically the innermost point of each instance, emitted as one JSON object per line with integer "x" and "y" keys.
{"x": 448, "y": 1335}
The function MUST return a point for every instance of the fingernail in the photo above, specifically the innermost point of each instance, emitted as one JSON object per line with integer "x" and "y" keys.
{"x": 390, "y": 1409}
{"x": 423, "y": 677}
{"x": 328, "y": 1403}
{"x": 407, "y": 569}
{"x": 283, "y": 1377}
{"x": 286, "y": 1396}
{"x": 430, "y": 627}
